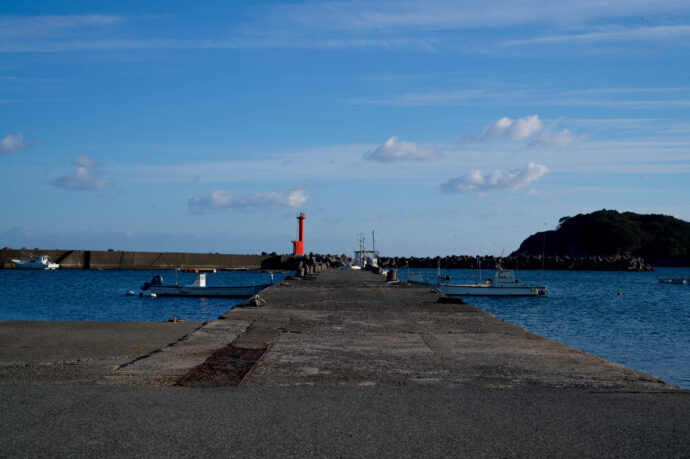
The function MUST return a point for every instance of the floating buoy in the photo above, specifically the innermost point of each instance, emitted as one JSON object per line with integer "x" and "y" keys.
{"x": 153, "y": 295}
{"x": 130, "y": 293}
{"x": 619, "y": 293}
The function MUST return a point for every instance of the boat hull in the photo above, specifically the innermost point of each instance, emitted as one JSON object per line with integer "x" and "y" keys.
{"x": 488, "y": 290}
{"x": 225, "y": 292}
{"x": 33, "y": 265}
{"x": 673, "y": 280}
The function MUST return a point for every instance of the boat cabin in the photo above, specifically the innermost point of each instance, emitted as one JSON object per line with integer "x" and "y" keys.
{"x": 366, "y": 258}
{"x": 504, "y": 278}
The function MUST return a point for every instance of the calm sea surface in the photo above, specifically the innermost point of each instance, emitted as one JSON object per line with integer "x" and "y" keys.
{"x": 101, "y": 295}
{"x": 646, "y": 328}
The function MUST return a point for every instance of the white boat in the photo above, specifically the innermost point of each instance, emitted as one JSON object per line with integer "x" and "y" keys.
{"x": 364, "y": 257}
{"x": 504, "y": 283}
{"x": 40, "y": 262}
{"x": 673, "y": 280}
{"x": 200, "y": 289}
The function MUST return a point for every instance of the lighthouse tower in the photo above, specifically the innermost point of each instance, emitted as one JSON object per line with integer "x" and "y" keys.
{"x": 298, "y": 245}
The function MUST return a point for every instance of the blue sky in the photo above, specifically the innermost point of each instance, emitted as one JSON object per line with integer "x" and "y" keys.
{"x": 449, "y": 127}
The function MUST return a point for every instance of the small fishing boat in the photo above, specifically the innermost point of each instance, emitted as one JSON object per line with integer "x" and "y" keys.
{"x": 673, "y": 280}
{"x": 364, "y": 257}
{"x": 200, "y": 289}
{"x": 504, "y": 283}
{"x": 40, "y": 262}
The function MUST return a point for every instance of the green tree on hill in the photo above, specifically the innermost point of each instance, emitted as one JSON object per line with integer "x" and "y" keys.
{"x": 608, "y": 232}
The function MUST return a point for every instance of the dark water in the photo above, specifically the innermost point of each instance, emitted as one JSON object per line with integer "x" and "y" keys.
{"x": 646, "y": 328}
{"x": 101, "y": 295}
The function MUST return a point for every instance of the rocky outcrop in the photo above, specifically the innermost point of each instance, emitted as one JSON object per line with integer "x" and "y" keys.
{"x": 660, "y": 239}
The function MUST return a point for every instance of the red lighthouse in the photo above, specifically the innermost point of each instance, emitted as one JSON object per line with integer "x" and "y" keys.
{"x": 298, "y": 245}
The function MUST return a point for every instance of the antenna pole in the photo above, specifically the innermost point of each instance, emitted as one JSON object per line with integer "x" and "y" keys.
{"x": 543, "y": 256}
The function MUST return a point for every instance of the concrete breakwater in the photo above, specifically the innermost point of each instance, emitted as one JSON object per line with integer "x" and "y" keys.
{"x": 593, "y": 263}
{"x": 95, "y": 259}
{"x": 117, "y": 259}
{"x": 337, "y": 328}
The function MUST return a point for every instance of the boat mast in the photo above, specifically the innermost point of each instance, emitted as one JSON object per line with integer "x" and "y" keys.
{"x": 477, "y": 272}
{"x": 543, "y": 250}
{"x": 362, "y": 252}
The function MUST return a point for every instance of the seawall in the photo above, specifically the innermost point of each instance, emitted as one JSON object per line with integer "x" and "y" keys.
{"x": 96, "y": 259}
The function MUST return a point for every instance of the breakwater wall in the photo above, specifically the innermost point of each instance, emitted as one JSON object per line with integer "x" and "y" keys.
{"x": 111, "y": 259}
{"x": 94, "y": 259}
{"x": 593, "y": 263}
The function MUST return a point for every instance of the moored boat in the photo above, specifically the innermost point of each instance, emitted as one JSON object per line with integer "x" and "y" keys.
{"x": 40, "y": 262}
{"x": 673, "y": 280}
{"x": 504, "y": 283}
{"x": 200, "y": 289}
{"x": 364, "y": 257}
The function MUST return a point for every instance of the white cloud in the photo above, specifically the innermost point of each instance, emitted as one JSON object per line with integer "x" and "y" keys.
{"x": 84, "y": 178}
{"x": 81, "y": 179}
{"x": 525, "y": 128}
{"x": 550, "y": 140}
{"x": 617, "y": 34}
{"x": 399, "y": 150}
{"x": 85, "y": 161}
{"x": 12, "y": 143}
{"x": 508, "y": 129}
{"x": 475, "y": 180}
{"x": 221, "y": 199}
{"x": 424, "y": 26}
{"x": 438, "y": 15}
{"x": 50, "y": 25}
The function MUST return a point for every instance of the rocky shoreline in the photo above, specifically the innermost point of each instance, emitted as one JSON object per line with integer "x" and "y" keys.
{"x": 593, "y": 263}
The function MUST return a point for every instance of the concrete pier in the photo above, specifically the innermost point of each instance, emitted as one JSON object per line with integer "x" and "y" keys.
{"x": 354, "y": 329}
{"x": 336, "y": 363}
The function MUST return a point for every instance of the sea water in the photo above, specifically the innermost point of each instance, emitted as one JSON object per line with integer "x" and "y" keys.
{"x": 102, "y": 295}
{"x": 646, "y": 327}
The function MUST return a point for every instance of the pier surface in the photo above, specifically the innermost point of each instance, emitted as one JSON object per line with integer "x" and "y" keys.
{"x": 340, "y": 363}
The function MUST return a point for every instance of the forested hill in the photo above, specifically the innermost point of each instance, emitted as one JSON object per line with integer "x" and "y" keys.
{"x": 659, "y": 239}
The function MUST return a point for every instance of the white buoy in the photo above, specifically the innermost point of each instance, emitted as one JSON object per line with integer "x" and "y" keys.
{"x": 130, "y": 293}
{"x": 153, "y": 295}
